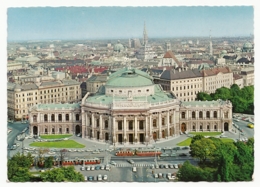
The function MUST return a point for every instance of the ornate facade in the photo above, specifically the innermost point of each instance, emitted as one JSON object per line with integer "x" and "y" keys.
{"x": 131, "y": 109}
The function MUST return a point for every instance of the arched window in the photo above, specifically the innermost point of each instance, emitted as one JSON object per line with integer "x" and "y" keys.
{"x": 215, "y": 114}
{"x": 200, "y": 114}
{"x": 193, "y": 127}
{"x": 120, "y": 125}
{"x": 34, "y": 118}
{"x": 183, "y": 115}
{"x": 208, "y": 127}
{"x": 77, "y": 117}
{"x": 60, "y": 117}
{"x": 193, "y": 115}
{"x": 45, "y": 117}
{"x": 154, "y": 122}
{"x": 208, "y": 114}
{"x": 52, "y": 117}
{"x": 67, "y": 117}
{"x": 106, "y": 124}
{"x": 200, "y": 127}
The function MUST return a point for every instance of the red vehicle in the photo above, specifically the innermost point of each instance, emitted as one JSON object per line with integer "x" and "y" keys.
{"x": 148, "y": 152}
{"x": 125, "y": 153}
{"x": 92, "y": 161}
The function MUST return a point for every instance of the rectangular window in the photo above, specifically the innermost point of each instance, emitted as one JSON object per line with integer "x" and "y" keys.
{"x": 120, "y": 125}
{"x": 130, "y": 125}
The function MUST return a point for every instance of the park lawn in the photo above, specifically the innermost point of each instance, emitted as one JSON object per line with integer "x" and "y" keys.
{"x": 55, "y": 136}
{"x": 59, "y": 144}
{"x": 185, "y": 142}
{"x": 206, "y": 133}
{"x": 227, "y": 140}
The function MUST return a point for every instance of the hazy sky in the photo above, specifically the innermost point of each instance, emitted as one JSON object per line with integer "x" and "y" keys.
{"x": 119, "y": 22}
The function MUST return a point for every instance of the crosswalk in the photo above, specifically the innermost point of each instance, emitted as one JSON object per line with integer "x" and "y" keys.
{"x": 133, "y": 165}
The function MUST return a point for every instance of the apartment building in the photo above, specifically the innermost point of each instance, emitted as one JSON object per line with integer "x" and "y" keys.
{"x": 22, "y": 97}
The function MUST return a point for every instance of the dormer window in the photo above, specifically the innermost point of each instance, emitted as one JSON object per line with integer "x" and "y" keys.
{"x": 120, "y": 91}
{"x": 147, "y": 90}
{"x": 112, "y": 91}
{"x": 139, "y": 91}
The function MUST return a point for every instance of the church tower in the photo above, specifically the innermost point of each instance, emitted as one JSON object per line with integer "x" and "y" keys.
{"x": 168, "y": 46}
{"x": 145, "y": 37}
{"x": 210, "y": 45}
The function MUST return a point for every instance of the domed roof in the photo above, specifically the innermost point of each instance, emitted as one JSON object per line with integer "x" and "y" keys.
{"x": 238, "y": 49}
{"x": 129, "y": 78}
{"x": 247, "y": 45}
{"x": 118, "y": 47}
{"x": 224, "y": 52}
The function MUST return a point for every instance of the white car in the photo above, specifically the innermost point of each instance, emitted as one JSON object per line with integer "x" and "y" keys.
{"x": 134, "y": 169}
{"x": 156, "y": 175}
{"x": 92, "y": 168}
{"x": 113, "y": 163}
{"x": 176, "y": 166}
{"x": 166, "y": 166}
{"x": 88, "y": 168}
{"x": 105, "y": 177}
{"x": 95, "y": 152}
{"x": 99, "y": 177}
{"x": 102, "y": 167}
{"x": 82, "y": 168}
{"x": 107, "y": 168}
{"x": 89, "y": 150}
{"x": 86, "y": 178}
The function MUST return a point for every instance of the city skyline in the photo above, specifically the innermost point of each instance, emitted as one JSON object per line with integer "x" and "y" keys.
{"x": 77, "y": 23}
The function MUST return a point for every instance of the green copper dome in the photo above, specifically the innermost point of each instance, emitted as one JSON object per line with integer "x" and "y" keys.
{"x": 247, "y": 45}
{"x": 129, "y": 78}
{"x": 118, "y": 47}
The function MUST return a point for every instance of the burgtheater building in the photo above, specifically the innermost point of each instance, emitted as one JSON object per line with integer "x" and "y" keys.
{"x": 130, "y": 109}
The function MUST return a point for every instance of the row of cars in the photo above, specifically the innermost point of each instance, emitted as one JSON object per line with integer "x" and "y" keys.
{"x": 176, "y": 148}
{"x": 98, "y": 178}
{"x": 165, "y": 175}
{"x": 166, "y": 166}
{"x": 174, "y": 154}
{"x": 92, "y": 168}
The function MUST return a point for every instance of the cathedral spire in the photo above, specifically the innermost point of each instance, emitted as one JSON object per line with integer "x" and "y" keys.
{"x": 145, "y": 38}
{"x": 210, "y": 44}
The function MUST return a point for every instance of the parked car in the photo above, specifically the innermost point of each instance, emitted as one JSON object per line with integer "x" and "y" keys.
{"x": 113, "y": 163}
{"x": 161, "y": 166}
{"x": 250, "y": 125}
{"x": 131, "y": 161}
{"x": 134, "y": 169}
{"x": 156, "y": 175}
{"x": 176, "y": 148}
{"x": 99, "y": 177}
{"x": 82, "y": 168}
{"x": 97, "y": 167}
{"x": 96, "y": 152}
{"x": 166, "y": 166}
{"x": 92, "y": 168}
{"x": 176, "y": 166}
{"x": 186, "y": 147}
{"x": 164, "y": 154}
{"x": 160, "y": 175}
{"x": 88, "y": 168}
{"x": 105, "y": 177}
{"x": 182, "y": 154}
{"x": 102, "y": 167}
{"x": 156, "y": 166}
{"x": 86, "y": 178}
{"x": 107, "y": 168}
{"x": 90, "y": 178}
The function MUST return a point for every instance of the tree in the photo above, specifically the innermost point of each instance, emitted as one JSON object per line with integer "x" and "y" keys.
{"x": 63, "y": 174}
{"x": 196, "y": 137}
{"x": 202, "y": 96}
{"x": 48, "y": 162}
{"x": 189, "y": 172}
{"x": 18, "y": 167}
{"x": 203, "y": 149}
{"x": 222, "y": 93}
{"x": 63, "y": 153}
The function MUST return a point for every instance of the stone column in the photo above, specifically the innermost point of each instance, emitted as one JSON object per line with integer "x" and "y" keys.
{"x": 160, "y": 125}
{"x": 93, "y": 125}
{"x": 56, "y": 117}
{"x": 168, "y": 123}
{"x": 87, "y": 125}
{"x": 114, "y": 129}
{"x": 83, "y": 125}
{"x": 135, "y": 135}
{"x": 151, "y": 127}
{"x": 124, "y": 128}
{"x": 146, "y": 129}
{"x": 174, "y": 124}
{"x": 100, "y": 127}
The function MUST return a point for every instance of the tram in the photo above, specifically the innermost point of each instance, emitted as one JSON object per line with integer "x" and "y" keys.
{"x": 139, "y": 152}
